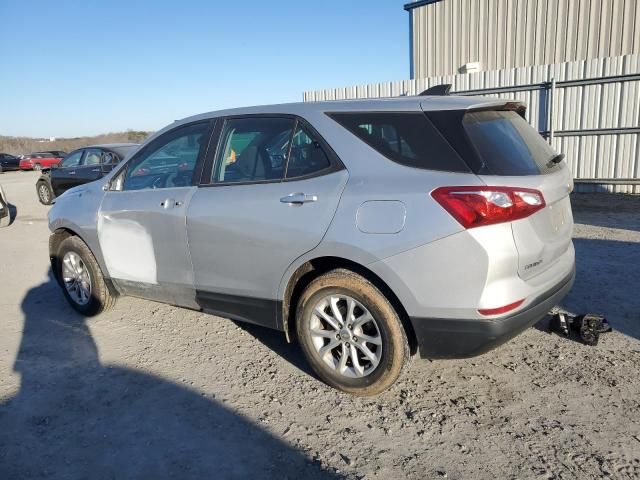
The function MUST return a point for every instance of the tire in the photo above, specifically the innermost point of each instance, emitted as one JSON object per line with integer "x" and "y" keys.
{"x": 45, "y": 194}
{"x": 37, "y": 167}
{"x": 99, "y": 297}
{"x": 391, "y": 348}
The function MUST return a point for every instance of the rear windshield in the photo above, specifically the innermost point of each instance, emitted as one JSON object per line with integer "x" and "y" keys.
{"x": 408, "y": 138}
{"x": 496, "y": 142}
{"x": 507, "y": 144}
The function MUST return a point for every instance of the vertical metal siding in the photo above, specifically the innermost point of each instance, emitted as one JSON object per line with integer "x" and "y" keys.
{"x": 511, "y": 33}
{"x": 610, "y": 105}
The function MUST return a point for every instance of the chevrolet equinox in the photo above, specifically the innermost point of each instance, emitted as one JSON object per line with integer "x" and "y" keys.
{"x": 368, "y": 230}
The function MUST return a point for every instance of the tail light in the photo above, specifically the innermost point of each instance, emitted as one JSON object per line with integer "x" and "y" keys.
{"x": 479, "y": 206}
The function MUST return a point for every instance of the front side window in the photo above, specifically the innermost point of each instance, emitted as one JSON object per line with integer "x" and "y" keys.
{"x": 252, "y": 149}
{"x": 307, "y": 156}
{"x": 72, "y": 160}
{"x": 92, "y": 157}
{"x": 169, "y": 161}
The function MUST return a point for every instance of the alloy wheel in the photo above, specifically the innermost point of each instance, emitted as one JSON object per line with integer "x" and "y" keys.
{"x": 76, "y": 278}
{"x": 44, "y": 193}
{"x": 345, "y": 335}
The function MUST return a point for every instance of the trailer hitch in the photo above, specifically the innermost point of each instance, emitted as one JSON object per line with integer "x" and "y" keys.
{"x": 588, "y": 326}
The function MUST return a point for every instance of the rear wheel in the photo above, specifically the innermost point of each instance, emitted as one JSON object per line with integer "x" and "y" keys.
{"x": 81, "y": 279}
{"x": 351, "y": 334}
{"x": 45, "y": 194}
{"x": 37, "y": 166}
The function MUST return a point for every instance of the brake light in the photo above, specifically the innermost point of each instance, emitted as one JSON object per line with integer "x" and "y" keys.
{"x": 496, "y": 311}
{"x": 479, "y": 206}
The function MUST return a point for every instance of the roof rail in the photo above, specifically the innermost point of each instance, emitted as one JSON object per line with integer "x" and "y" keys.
{"x": 442, "y": 89}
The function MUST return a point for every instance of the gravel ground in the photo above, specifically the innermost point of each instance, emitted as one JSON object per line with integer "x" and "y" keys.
{"x": 152, "y": 391}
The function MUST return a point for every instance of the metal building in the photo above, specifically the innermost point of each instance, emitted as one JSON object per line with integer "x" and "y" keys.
{"x": 447, "y": 35}
{"x": 574, "y": 63}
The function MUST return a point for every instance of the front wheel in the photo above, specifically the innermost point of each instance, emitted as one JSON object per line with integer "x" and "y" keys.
{"x": 45, "y": 194}
{"x": 81, "y": 279}
{"x": 350, "y": 333}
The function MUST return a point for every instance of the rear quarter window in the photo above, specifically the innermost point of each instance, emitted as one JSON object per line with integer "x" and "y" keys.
{"x": 407, "y": 138}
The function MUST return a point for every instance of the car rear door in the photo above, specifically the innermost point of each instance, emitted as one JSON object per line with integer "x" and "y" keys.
{"x": 141, "y": 222}
{"x": 269, "y": 198}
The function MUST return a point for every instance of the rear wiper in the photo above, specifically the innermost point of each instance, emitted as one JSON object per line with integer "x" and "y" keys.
{"x": 555, "y": 159}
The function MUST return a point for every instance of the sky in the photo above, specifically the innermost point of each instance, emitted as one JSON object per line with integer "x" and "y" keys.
{"x": 85, "y": 67}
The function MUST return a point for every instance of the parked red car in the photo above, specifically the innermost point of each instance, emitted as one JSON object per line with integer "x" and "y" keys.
{"x": 40, "y": 160}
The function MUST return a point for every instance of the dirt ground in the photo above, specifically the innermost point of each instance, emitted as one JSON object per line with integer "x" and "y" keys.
{"x": 152, "y": 391}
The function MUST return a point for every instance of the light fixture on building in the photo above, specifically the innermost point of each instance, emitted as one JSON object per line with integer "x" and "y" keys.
{"x": 470, "y": 67}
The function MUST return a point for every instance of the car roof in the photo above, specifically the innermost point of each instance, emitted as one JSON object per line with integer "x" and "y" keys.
{"x": 412, "y": 103}
{"x": 112, "y": 145}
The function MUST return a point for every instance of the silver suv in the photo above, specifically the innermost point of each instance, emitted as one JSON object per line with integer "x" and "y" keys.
{"x": 367, "y": 230}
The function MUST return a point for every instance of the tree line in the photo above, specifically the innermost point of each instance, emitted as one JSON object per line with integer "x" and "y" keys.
{"x": 26, "y": 145}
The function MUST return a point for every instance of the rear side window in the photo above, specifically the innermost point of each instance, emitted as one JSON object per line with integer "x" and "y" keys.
{"x": 92, "y": 157}
{"x": 253, "y": 149}
{"x": 408, "y": 138}
{"x": 307, "y": 156}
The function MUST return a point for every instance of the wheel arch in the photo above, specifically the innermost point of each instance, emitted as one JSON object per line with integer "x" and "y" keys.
{"x": 56, "y": 238}
{"x": 315, "y": 267}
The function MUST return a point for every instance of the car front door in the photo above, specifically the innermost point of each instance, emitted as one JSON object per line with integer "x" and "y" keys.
{"x": 269, "y": 198}
{"x": 64, "y": 176}
{"x": 141, "y": 222}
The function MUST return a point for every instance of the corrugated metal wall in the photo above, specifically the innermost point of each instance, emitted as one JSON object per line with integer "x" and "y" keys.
{"x": 612, "y": 105}
{"x": 511, "y": 33}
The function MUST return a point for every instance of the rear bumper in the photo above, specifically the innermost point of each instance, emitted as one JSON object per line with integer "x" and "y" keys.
{"x": 455, "y": 338}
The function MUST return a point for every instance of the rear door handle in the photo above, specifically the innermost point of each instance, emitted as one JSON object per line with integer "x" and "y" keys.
{"x": 73, "y": 172}
{"x": 299, "y": 198}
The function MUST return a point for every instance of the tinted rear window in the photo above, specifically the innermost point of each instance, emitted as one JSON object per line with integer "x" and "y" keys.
{"x": 507, "y": 144}
{"x": 408, "y": 138}
{"x": 496, "y": 142}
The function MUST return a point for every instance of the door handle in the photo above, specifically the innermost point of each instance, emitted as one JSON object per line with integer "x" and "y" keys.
{"x": 299, "y": 199}
{"x": 95, "y": 169}
{"x": 170, "y": 203}
{"x": 73, "y": 172}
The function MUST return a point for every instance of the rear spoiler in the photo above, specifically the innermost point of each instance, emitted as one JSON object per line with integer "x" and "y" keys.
{"x": 442, "y": 89}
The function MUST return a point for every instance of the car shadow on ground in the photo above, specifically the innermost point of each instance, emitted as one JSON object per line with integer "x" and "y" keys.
{"x": 74, "y": 417}
{"x": 276, "y": 341}
{"x": 607, "y": 283}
